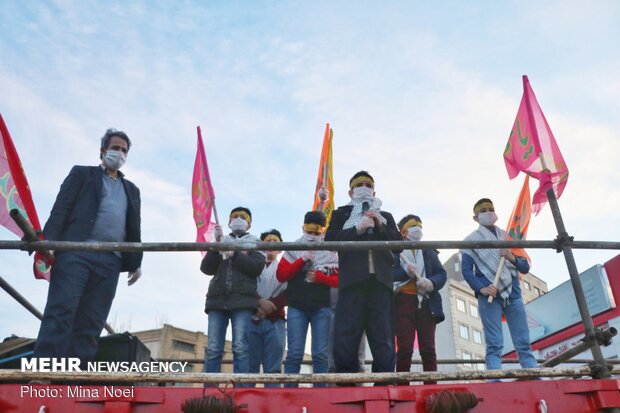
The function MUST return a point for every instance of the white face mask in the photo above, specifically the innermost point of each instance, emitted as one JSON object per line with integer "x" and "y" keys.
{"x": 311, "y": 238}
{"x": 487, "y": 218}
{"x": 414, "y": 233}
{"x": 362, "y": 193}
{"x": 238, "y": 225}
{"x": 272, "y": 255}
{"x": 114, "y": 159}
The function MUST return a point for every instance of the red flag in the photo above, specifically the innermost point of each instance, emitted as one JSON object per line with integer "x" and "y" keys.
{"x": 203, "y": 197}
{"x": 520, "y": 218}
{"x": 532, "y": 149}
{"x": 15, "y": 193}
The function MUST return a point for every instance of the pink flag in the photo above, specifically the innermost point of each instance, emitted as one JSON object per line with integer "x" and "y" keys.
{"x": 203, "y": 196}
{"x": 15, "y": 194}
{"x": 531, "y": 148}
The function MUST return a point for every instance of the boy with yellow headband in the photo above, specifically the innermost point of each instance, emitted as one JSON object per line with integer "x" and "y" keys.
{"x": 268, "y": 328}
{"x": 365, "y": 294}
{"x": 232, "y": 292}
{"x": 479, "y": 268}
{"x": 420, "y": 276}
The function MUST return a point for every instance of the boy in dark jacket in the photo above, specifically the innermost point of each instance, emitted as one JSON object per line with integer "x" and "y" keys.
{"x": 232, "y": 292}
{"x": 309, "y": 274}
{"x": 418, "y": 277}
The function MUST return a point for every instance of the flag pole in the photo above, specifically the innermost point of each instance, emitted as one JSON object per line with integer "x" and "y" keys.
{"x": 500, "y": 267}
{"x": 4, "y": 284}
{"x": 599, "y": 368}
{"x": 217, "y": 220}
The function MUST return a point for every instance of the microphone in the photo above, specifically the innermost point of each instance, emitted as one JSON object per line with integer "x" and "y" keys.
{"x": 366, "y": 207}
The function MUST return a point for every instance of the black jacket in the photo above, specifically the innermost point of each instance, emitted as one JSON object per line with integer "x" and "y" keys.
{"x": 353, "y": 265}
{"x": 77, "y": 204}
{"x": 435, "y": 272}
{"x": 233, "y": 286}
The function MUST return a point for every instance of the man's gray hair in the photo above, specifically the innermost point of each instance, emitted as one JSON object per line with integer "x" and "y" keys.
{"x": 110, "y": 133}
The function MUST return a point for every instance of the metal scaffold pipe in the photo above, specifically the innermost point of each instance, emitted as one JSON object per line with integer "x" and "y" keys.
{"x": 294, "y": 246}
{"x": 600, "y": 369}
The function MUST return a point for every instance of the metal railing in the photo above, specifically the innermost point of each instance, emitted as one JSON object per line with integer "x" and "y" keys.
{"x": 593, "y": 337}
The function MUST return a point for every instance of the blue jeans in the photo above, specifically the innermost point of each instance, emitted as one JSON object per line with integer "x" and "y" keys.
{"x": 491, "y": 315}
{"x": 267, "y": 340}
{"x": 216, "y": 336}
{"x": 298, "y": 322}
{"x": 79, "y": 298}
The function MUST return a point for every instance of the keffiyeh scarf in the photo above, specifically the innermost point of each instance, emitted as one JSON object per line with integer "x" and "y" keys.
{"x": 487, "y": 260}
{"x": 246, "y": 239}
{"x": 417, "y": 259}
{"x": 324, "y": 261}
{"x": 268, "y": 285}
{"x": 374, "y": 204}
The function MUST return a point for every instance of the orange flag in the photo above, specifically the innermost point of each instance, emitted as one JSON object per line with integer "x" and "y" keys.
{"x": 325, "y": 178}
{"x": 520, "y": 219}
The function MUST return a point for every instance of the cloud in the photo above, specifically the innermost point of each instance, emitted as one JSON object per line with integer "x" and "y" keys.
{"x": 413, "y": 93}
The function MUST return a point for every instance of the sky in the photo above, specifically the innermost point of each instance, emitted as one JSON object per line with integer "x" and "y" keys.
{"x": 421, "y": 94}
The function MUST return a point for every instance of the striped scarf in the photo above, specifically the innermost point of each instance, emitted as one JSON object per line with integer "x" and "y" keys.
{"x": 417, "y": 259}
{"x": 268, "y": 285}
{"x": 245, "y": 239}
{"x": 324, "y": 261}
{"x": 374, "y": 204}
{"x": 487, "y": 260}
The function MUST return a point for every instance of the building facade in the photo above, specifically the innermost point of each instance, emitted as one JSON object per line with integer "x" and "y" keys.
{"x": 169, "y": 342}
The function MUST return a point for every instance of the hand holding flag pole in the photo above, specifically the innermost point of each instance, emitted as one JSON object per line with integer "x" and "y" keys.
{"x": 500, "y": 267}
{"x": 322, "y": 193}
{"x": 30, "y": 234}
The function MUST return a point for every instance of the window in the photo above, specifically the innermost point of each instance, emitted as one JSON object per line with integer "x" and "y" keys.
{"x": 479, "y": 366}
{"x": 460, "y": 305}
{"x": 464, "y": 331}
{"x": 183, "y": 346}
{"x": 466, "y": 356}
{"x": 537, "y": 291}
{"x": 473, "y": 310}
{"x": 527, "y": 285}
{"x": 477, "y": 336}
